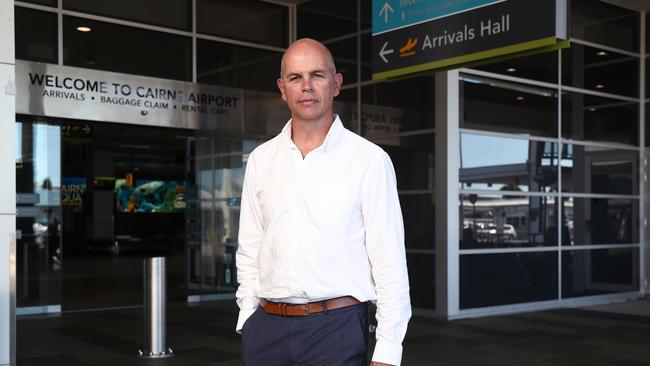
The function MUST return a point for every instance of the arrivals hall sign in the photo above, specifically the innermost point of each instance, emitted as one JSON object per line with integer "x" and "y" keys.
{"x": 413, "y": 36}
{"x": 70, "y": 92}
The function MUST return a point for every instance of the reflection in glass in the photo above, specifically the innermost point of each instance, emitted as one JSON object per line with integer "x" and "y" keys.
{"x": 602, "y": 271}
{"x": 36, "y": 38}
{"x": 326, "y": 19}
{"x": 507, "y": 164}
{"x": 139, "y": 51}
{"x": 38, "y": 220}
{"x": 507, "y": 221}
{"x": 600, "y": 70}
{"x": 237, "y": 66}
{"x": 599, "y": 22}
{"x": 214, "y": 213}
{"x": 244, "y": 20}
{"x": 419, "y": 220}
{"x": 587, "y": 117}
{"x": 422, "y": 280}
{"x": 589, "y": 221}
{"x": 501, "y": 106}
{"x": 540, "y": 66}
{"x": 166, "y": 13}
{"x": 345, "y": 58}
{"x": 501, "y": 279}
{"x": 594, "y": 169}
{"x": 413, "y": 158}
{"x": 403, "y": 105}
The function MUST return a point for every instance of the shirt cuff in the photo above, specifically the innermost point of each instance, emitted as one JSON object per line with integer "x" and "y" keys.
{"x": 387, "y": 352}
{"x": 244, "y": 314}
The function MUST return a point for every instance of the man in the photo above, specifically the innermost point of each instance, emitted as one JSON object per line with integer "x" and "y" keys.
{"x": 321, "y": 233}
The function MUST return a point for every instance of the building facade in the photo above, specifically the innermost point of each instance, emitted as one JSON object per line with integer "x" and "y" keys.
{"x": 523, "y": 182}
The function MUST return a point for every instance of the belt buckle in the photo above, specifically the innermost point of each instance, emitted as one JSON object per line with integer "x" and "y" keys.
{"x": 306, "y": 309}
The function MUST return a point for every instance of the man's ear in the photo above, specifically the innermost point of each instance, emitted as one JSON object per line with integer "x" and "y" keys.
{"x": 281, "y": 87}
{"x": 338, "y": 80}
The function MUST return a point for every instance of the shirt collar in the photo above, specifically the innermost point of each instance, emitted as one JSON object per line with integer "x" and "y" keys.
{"x": 330, "y": 139}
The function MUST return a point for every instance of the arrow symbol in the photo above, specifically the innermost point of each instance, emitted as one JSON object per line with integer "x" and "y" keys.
{"x": 384, "y": 52}
{"x": 385, "y": 9}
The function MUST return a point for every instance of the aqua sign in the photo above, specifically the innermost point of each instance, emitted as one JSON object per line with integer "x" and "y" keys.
{"x": 392, "y": 14}
{"x": 415, "y": 36}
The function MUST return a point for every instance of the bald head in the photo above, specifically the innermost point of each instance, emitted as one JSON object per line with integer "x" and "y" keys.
{"x": 307, "y": 45}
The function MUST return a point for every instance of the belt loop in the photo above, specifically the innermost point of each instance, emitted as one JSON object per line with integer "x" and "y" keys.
{"x": 325, "y": 307}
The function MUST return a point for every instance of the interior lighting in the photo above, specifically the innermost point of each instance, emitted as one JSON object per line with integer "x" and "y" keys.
{"x": 520, "y": 98}
{"x": 84, "y": 29}
{"x": 511, "y": 70}
{"x": 592, "y": 109}
{"x": 601, "y": 53}
{"x": 600, "y": 86}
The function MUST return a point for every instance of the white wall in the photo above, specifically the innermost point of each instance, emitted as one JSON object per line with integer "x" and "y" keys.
{"x": 7, "y": 184}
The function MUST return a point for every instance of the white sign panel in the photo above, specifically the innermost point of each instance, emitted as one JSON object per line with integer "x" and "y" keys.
{"x": 70, "y": 92}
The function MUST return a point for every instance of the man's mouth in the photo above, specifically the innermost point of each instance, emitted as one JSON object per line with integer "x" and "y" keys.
{"x": 307, "y": 101}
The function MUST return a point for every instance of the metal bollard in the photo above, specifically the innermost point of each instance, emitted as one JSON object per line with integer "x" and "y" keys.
{"x": 155, "y": 309}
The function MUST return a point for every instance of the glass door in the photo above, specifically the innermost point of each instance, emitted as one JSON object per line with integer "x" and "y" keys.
{"x": 38, "y": 219}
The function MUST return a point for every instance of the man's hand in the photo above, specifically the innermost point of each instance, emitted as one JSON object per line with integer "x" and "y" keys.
{"x": 379, "y": 364}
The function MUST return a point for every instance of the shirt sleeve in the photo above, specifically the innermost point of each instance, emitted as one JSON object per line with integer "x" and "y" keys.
{"x": 251, "y": 232}
{"x": 385, "y": 245}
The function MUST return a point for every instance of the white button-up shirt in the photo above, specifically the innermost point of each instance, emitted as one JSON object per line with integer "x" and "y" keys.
{"x": 325, "y": 226}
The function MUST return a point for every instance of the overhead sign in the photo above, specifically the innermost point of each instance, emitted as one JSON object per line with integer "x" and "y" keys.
{"x": 70, "y": 92}
{"x": 413, "y": 36}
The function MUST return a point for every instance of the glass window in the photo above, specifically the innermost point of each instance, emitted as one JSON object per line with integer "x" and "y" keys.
{"x": 220, "y": 165}
{"x": 125, "y": 49}
{"x": 507, "y": 221}
{"x": 237, "y": 66}
{"x": 422, "y": 279}
{"x": 591, "y": 118}
{"x": 501, "y": 279}
{"x": 419, "y": 220}
{"x": 166, "y": 13}
{"x": 602, "y": 271}
{"x": 599, "y": 22}
{"x": 345, "y": 105}
{"x": 345, "y": 58}
{"x": 42, "y": 2}
{"x": 600, "y": 70}
{"x": 366, "y": 56}
{"x": 246, "y": 20}
{"x": 38, "y": 214}
{"x": 399, "y": 106}
{"x": 507, "y": 164}
{"x": 327, "y": 19}
{"x": 540, "y": 66}
{"x": 593, "y": 169}
{"x": 413, "y": 158}
{"x": 593, "y": 221}
{"x": 36, "y": 35}
{"x": 501, "y": 106}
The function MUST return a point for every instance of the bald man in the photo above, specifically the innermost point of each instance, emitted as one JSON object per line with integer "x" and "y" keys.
{"x": 321, "y": 233}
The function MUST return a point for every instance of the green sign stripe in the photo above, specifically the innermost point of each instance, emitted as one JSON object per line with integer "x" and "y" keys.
{"x": 515, "y": 48}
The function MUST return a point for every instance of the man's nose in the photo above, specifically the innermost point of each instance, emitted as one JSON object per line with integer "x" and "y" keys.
{"x": 307, "y": 85}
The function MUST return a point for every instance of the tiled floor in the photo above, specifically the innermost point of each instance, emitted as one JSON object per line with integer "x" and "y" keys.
{"x": 203, "y": 335}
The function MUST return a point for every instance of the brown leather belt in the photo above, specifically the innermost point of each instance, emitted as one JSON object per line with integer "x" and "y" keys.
{"x": 283, "y": 309}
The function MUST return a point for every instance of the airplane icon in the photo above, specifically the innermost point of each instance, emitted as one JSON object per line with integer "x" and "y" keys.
{"x": 407, "y": 50}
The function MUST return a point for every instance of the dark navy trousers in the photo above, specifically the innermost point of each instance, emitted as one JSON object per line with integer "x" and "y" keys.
{"x": 334, "y": 338}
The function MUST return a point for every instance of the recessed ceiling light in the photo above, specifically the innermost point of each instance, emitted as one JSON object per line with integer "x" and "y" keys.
{"x": 592, "y": 109}
{"x": 520, "y": 98}
{"x": 511, "y": 69}
{"x": 601, "y": 53}
{"x": 600, "y": 86}
{"x": 84, "y": 29}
